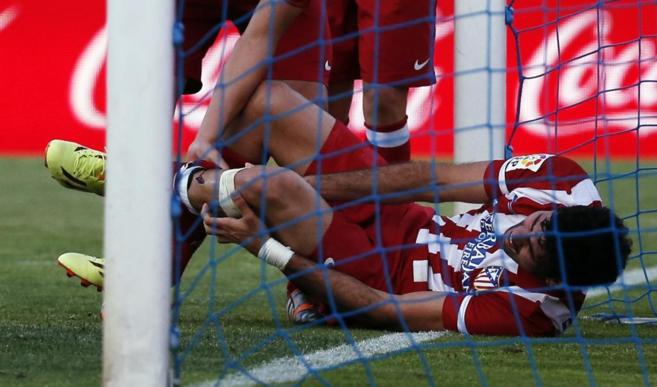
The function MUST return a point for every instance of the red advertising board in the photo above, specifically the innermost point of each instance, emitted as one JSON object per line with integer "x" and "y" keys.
{"x": 589, "y": 78}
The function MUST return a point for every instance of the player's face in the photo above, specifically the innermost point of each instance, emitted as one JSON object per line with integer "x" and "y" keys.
{"x": 525, "y": 242}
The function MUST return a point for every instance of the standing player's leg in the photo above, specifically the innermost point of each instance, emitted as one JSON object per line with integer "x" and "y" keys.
{"x": 341, "y": 94}
{"x": 343, "y": 17}
{"x": 304, "y": 54}
{"x": 386, "y": 125}
{"x": 395, "y": 53}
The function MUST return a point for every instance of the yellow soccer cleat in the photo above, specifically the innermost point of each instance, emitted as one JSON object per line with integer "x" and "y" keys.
{"x": 75, "y": 166}
{"x": 89, "y": 269}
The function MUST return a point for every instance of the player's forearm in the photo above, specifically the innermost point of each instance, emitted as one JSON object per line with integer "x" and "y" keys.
{"x": 348, "y": 293}
{"x": 240, "y": 77}
{"x": 244, "y": 70}
{"x": 396, "y": 183}
{"x": 411, "y": 181}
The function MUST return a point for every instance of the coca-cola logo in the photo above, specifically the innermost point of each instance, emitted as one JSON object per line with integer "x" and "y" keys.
{"x": 7, "y": 16}
{"x": 194, "y": 106}
{"x": 575, "y": 77}
{"x": 86, "y": 77}
{"x": 579, "y": 78}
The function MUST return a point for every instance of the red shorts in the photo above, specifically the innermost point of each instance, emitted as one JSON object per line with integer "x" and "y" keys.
{"x": 398, "y": 49}
{"x": 379, "y": 251}
{"x": 376, "y": 247}
{"x": 305, "y": 55}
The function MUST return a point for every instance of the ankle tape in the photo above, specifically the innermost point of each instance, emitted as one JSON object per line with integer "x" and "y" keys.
{"x": 181, "y": 187}
{"x": 226, "y": 188}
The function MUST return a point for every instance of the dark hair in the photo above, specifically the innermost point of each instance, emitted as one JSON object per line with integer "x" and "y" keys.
{"x": 594, "y": 243}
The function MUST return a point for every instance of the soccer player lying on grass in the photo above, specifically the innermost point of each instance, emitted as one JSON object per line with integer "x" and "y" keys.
{"x": 502, "y": 269}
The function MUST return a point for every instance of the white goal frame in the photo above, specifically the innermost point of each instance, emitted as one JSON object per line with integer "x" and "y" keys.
{"x": 138, "y": 227}
{"x": 480, "y": 82}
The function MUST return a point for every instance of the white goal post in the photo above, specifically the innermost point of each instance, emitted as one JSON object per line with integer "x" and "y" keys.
{"x": 138, "y": 227}
{"x": 480, "y": 81}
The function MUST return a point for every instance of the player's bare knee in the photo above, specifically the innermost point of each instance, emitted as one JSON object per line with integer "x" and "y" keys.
{"x": 249, "y": 183}
{"x": 282, "y": 186}
{"x": 279, "y": 186}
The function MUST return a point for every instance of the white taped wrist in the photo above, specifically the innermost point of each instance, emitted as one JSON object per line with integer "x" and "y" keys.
{"x": 226, "y": 188}
{"x": 183, "y": 182}
{"x": 275, "y": 253}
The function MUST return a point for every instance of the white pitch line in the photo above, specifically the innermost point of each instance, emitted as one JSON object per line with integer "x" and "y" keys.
{"x": 630, "y": 277}
{"x": 290, "y": 368}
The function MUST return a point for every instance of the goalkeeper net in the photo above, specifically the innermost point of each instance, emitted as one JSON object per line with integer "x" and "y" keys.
{"x": 581, "y": 81}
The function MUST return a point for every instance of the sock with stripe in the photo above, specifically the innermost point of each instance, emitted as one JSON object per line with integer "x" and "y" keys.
{"x": 392, "y": 141}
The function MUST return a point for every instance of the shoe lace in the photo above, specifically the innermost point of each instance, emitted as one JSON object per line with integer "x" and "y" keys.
{"x": 90, "y": 163}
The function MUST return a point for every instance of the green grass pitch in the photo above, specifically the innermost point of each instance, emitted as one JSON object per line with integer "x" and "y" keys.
{"x": 50, "y": 332}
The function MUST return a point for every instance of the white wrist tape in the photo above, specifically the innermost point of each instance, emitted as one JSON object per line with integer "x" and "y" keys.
{"x": 226, "y": 188}
{"x": 275, "y": 253}
{"x": 182, "y": 188}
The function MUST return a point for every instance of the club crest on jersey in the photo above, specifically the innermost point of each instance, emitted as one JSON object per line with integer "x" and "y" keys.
{"x": 474, "y": 251}
{"x": 531, "y": 162}
{"x": 488, "y": 278}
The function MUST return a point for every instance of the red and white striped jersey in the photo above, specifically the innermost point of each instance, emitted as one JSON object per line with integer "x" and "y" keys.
{"x": 490, "y": 293}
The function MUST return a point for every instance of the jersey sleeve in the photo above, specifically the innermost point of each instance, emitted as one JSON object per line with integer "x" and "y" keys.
{"x": 298, "y": 3}
{"x": 506, "y": 312}
{"x": 525, "y": 184}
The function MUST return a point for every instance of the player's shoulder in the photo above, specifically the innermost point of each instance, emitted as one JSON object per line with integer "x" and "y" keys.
{"x": 536, "y": 182}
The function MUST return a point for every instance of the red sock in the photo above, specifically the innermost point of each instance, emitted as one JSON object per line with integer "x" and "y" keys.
{"x": 391, "y": 141}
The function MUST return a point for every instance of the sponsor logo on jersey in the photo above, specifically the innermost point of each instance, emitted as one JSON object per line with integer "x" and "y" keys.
{"x": 488, "y": 278}
{"x": 475, "y": 251}
{"x": 531, "y": 162}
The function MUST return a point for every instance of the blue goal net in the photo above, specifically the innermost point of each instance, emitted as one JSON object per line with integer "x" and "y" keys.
{"x": 581, "y": 86}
